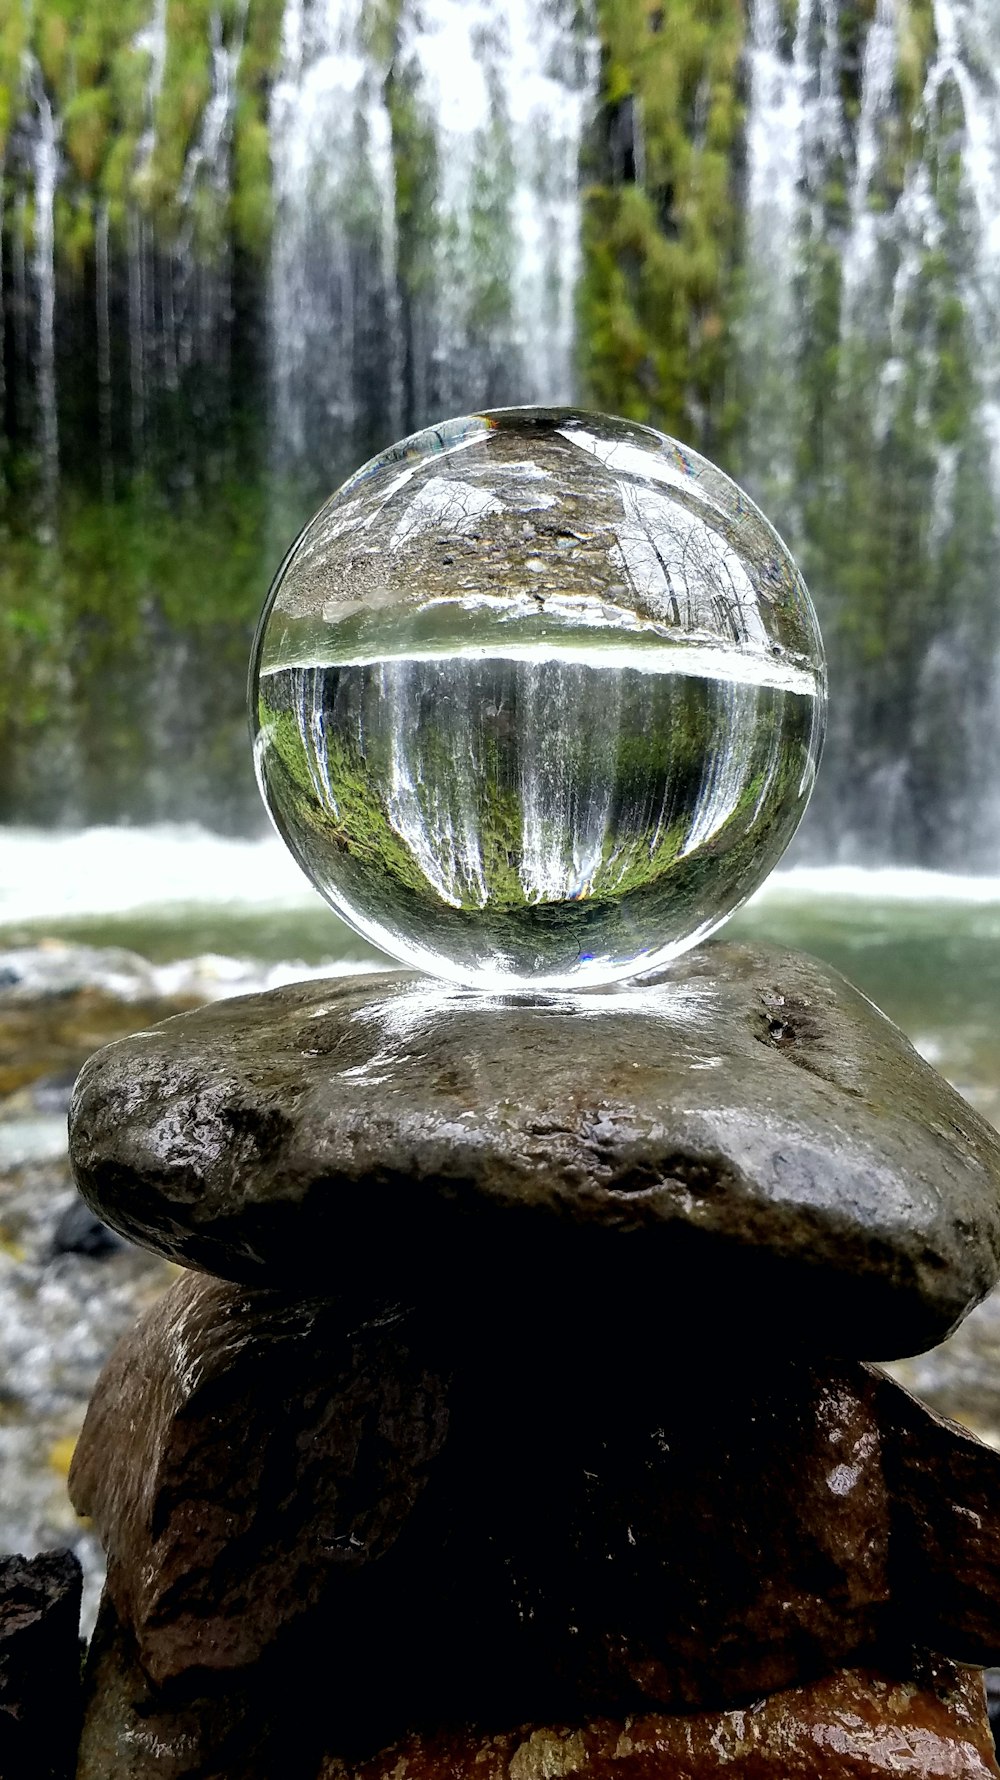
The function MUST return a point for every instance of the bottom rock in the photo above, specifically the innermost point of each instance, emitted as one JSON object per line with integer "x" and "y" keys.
{"x": 39, "y": 1665}
{"x": 852, "y": 1725}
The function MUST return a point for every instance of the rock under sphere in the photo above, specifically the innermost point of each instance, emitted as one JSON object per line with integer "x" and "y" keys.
{"x": 744, "y": 1137}
{"x": 514, "y": 1533}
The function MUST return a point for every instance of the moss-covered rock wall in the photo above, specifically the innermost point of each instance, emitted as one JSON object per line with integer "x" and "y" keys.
{"x": 783, "y": 256}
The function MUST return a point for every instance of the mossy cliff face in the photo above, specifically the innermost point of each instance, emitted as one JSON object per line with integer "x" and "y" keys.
{"x": 863, "y": 375}
{"x": 774, "y": 234}
{"x": 788, "y": 263}
{"x": 138, "y": 92}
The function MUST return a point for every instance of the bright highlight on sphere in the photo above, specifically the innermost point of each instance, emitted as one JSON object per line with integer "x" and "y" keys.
{"x": 537, "y": 699}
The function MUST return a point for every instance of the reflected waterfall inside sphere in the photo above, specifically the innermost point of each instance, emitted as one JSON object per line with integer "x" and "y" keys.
{"x": 537, "y": 699}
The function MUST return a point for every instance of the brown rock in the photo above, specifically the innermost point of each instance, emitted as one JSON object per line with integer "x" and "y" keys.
{"x": 746, "y": 1131}
{"x": 550, "y": 1528}
{"x": 240, "y": 1452}
{"x": 853, "y": 1725}
{"x": 39, "y": 1665}
{"x": 946, "y": 1530}
{"x": 229, "y": 1729}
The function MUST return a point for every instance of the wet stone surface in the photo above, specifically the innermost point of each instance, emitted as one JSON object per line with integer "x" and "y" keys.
{"x": 854, "y": 1725}
{"x": 747, "y": 1131}
{"x": 520, "y": 1526}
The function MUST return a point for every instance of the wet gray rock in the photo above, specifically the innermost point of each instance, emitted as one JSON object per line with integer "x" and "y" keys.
{"x": 39, "y": 1665}
{"x": 747, "y": 1132}
{"x": 60, "y": 1316}
{"x": 79, "y": 1232}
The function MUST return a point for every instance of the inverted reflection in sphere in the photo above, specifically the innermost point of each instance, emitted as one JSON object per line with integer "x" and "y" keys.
{"x": 537, "y": 699}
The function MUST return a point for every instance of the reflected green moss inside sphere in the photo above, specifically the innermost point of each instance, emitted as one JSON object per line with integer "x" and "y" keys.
{"x": 537, "y": 699}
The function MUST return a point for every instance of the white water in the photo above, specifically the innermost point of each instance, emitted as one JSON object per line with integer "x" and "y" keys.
{"x": 50, "y": 877}
{"x": 45, "y": 159}
{"x": 209, "y": 157}
{"x": 503, "y": 93}
{"x": 334, "y": 199}
{"x": 499, "y": 81}
{"x": 797, "y": 126}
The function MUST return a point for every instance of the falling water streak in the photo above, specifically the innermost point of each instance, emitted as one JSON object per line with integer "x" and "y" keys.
{"x": 210, "y": 153}
{"x": 135, "y": 340}
{"x": 567, "y": 755}
{"x": 965, "y": 63}
{"x": 878, "y": 83}
{"x": 775, "y": 133}
{"x": 507, "y": 70}
{"x": 46, "y": 174}
{"x": 726, "y": 778}
{"x": 313, "y": 729}
{"x": 152, "y": 41}
{"x": 331, "y": 149}
{"x": 421, "y": 809}
{"x": 209, "y": 168}
{"x": 505, "y": 92}
{"x": 969, "y": 54}
{"x": 550, "y": 110}
{"x": 102, "y": 256}
{"x": 171, "y": 374}
{"x": 149, "y": 330}
{"x": 3, "y": 298}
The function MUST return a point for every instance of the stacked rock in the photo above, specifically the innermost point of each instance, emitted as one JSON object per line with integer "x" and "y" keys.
{"x": 527, "y": 1428}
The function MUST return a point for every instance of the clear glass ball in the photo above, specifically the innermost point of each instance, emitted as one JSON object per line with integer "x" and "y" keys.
{"x": 537, "y": 699}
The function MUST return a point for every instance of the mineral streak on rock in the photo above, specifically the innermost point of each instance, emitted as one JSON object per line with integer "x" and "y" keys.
{"x": 39, "y": 1665}
{"x": 853, "y": 1725}
{"x": 747, "y": 1131}
{"x": 545, "y": 1530}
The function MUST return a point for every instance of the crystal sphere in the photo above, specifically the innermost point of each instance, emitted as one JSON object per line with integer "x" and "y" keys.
{"x": 537, "y": 699}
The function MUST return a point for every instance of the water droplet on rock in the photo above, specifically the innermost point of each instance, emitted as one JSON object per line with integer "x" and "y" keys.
{"x": 537, "y": 697}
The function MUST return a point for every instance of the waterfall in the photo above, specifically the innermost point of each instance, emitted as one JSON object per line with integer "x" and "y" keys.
{"x": 421, "y": 169}
{"x": 332, "y": 257}
{"x": 45, "y": 159}
{"x": 871, "y": 335}
{"x": 497, "y": 97}
{"x": 178, "y": 279}
{"x": 507, "y": 93}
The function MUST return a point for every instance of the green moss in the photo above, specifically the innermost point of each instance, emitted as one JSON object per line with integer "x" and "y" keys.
{"x": 83, "y": 615}
{"x": 86, "y": 125}
{"x": 98, "y": 83}
{"x": 658, "y": 253}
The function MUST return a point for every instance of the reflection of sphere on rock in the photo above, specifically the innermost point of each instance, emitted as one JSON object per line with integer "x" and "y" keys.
{"x": 537, "y": 697}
